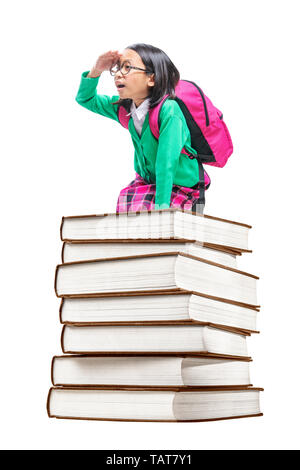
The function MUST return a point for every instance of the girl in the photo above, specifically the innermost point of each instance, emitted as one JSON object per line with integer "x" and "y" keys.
{"x": 143, "y": 74}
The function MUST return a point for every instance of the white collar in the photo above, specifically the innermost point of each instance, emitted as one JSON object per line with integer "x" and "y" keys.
{"x": 141, "y": 110}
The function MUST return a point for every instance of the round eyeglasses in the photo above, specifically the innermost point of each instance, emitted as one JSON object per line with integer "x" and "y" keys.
{"x": 125, "y": 69}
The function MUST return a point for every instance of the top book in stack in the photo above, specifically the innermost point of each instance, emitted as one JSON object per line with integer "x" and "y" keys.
{"x": 166, "y": 224}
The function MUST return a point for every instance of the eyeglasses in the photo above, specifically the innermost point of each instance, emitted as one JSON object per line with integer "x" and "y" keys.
{"x": 125, "y": 69}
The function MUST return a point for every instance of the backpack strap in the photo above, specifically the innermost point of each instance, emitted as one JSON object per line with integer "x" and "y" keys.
{"x": 154, "y": 123}
{"x": 154, "y": 120}
{"x": 198, "y": 205}
{"x": 122, "y": 116}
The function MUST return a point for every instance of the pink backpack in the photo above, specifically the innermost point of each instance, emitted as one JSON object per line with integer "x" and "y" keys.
{"x": 209, "y": 133}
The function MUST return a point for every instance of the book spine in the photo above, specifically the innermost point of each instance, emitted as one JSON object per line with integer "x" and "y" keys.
{"x": 61, "y": 228}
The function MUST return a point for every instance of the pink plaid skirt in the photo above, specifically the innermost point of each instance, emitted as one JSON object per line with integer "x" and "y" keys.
{"x": 140, "y": 196}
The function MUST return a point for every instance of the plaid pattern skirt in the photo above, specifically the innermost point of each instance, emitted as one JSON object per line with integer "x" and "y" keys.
{"x": 140, "y": 196}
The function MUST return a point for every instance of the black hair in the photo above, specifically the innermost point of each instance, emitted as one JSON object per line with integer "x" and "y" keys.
{"x": 166, "y": 75}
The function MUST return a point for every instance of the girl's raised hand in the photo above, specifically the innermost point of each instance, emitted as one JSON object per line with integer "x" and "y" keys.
{"x": 104, "y": 62}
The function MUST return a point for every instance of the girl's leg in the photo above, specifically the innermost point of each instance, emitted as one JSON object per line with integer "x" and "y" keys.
{"x": 140, "y": 196}
{"x": 137, "y": 196}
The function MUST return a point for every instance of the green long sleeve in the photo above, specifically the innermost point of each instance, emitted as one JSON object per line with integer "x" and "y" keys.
{"x": 173, "y": 135}
{"x": 88, "y": 98}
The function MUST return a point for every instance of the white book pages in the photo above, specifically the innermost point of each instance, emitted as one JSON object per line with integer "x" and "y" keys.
{"x": 117, "y": 275}
{"x": 214, "y": 372}
{"x": 213, "y": 405}
{"x": 87, "y": 251}
{"x": 210, "y": 230}
{"x": 131, "y": 308}
{"x": 206, "y": 278}
{"x": 209, "y": 310}
{"x": 112, "y": 404}
{"x": 121, "y": 370}
{"x": 163, "y": 338}
{"x": 224, "y": 342}
{"x": 133, "y": 338}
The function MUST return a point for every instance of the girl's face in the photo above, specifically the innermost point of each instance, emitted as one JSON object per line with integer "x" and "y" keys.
{"x": 136, "y": 83}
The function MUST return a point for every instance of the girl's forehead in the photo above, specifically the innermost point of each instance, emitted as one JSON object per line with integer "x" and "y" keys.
{"x": 131, "y": 56}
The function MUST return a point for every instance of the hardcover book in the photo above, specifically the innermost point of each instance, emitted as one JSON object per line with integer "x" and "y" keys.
{"x": 132, "y": 404}
{"x": 159, "y": 272}
{"x": 164, "y": 370}
{"x": 167, "y": 223}
{"x": 179, "y": 338}
{"x": 86, "y": 250}
{"x": 180, "y": 306}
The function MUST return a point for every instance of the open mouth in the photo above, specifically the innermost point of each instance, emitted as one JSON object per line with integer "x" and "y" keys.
{"x": 120, "y": 86}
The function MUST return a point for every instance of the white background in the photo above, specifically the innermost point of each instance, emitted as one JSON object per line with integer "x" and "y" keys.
{"x": 59, "y": 159}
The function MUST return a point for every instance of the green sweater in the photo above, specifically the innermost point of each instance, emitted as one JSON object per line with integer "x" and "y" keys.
{"x": 160, "y": 162}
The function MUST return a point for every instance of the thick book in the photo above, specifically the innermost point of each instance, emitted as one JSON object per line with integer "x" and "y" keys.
{"x": 151, "y": 339}
{"x": 80, "y": 251}
{"x": 165, "y": 224}
{"x": 155, "y": 272}
{"x": 132, "y": 404}
{"x": 181, "y": 306}
{"x": 156, "y": 371}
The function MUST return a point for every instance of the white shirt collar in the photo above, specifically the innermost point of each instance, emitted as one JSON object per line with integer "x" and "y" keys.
{"x": 140, "y": 111}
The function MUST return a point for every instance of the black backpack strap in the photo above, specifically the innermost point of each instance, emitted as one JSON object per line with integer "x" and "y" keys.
{"x": 199, "y": 204}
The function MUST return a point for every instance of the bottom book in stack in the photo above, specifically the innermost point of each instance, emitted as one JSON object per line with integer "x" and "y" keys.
{"x": 148, "y": 404}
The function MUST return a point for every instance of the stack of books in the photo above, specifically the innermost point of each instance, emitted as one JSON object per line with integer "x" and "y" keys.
{"x": 155, "y": 319}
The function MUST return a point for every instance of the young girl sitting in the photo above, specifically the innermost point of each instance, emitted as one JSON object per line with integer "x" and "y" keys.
{"x": 165, "y": 177}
